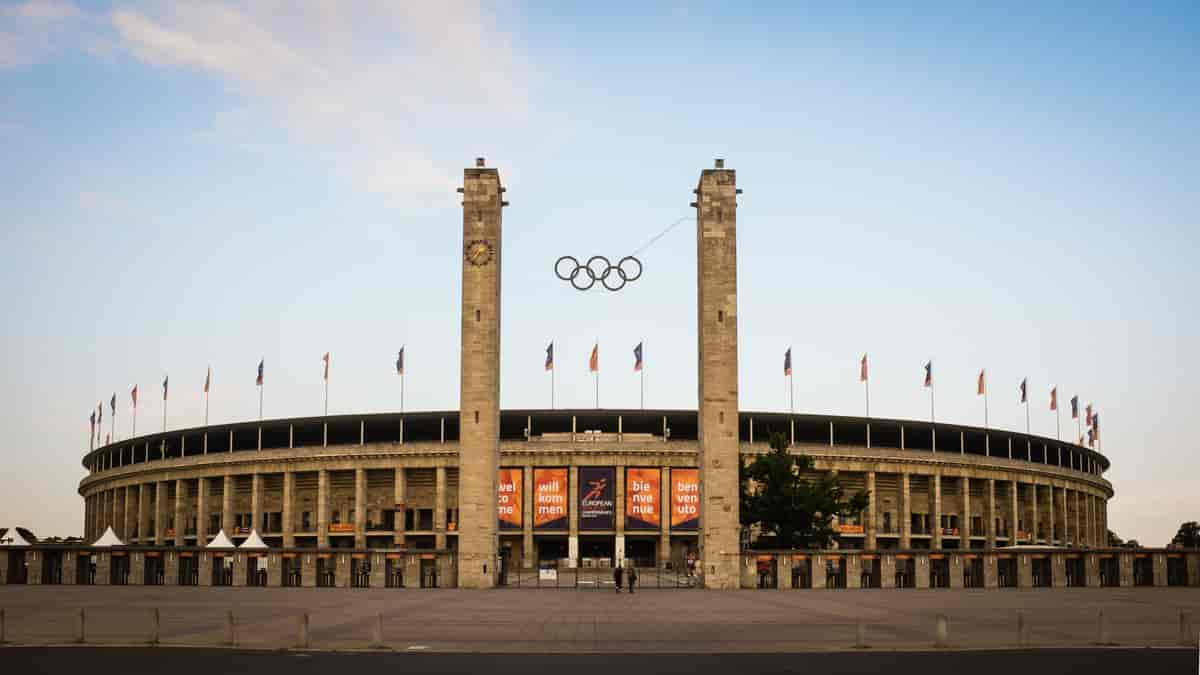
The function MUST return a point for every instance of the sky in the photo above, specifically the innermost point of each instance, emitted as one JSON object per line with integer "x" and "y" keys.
{"x": 1001, "y": 186}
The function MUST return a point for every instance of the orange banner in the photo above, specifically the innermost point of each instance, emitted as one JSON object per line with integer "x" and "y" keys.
{"x": 642, "y": 498}
{"x": 510, "y": 498}
{"x": 685, "y": 499}
{"x": 550, "y": 499}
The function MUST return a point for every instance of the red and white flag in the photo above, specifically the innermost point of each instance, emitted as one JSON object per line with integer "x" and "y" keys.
{"x": 594, "y": 361}
{"x": 325, "y": 359}
{"x": 207, "y": 379}
{"x": 1054, "y": 398}
{"x": 982, "y": 389}
{"x": 862, "y": 369}
{"x": 133, "y": 395}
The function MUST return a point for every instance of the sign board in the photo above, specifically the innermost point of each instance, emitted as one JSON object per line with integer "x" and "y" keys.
{"x": 547, "y": 574}
{"x": 597, "y": 498}
{"x": 550, "y": 499}
{"x": 510, "y": 498}
{"x": 685, "y": 499}
{"x": 642, "y": 498}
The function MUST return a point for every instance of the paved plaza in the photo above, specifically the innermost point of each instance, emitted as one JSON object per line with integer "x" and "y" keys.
{"x": 548, "y": 621}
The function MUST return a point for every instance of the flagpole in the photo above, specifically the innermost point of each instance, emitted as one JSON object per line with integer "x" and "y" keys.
{"x": 401, "y": 393}
{"x": 134, "y": 432}
{"x": 113, "y": 424}
{"x": 1057, "y": 421}
{"x": 985, "y": 405}
{"x": 642, "y": 370}
{"x": 1026, "y": 414}
{"x": 867, "y": 383}
{"x": 932, "y": 418}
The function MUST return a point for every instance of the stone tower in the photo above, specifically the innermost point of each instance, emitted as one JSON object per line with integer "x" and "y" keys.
{"x": 479, "y": 398}
{"x": 716, "y": 258}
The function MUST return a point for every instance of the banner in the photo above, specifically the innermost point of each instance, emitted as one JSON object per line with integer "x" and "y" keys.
{"x": 597, "y": 498}
{"x": 685, "y": 499}
{"x": 550, "y": 499}
{"x": 642, "y": 497}
{"x": 510, "y": 498}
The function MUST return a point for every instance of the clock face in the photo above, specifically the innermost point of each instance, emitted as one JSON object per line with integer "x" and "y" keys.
{"x": 478, "y": 252}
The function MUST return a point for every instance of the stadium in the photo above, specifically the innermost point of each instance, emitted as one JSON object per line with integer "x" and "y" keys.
{"x": 479, "y": 497}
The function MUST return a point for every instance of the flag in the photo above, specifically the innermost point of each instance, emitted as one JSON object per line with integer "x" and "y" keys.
{"x": 1087, "y": 420}
{"x": 1054, "y": 398}
{"x": 594, "y": 362}
{"x": 259, "y": 380}
{"x": 1074, "y": 407}
{"x": 133, "y": 395}
{"x": 1096, "y": 424}
{"x": 107, "y": 439}
{"x": 982, "y": 388}
{"x": 550, "y": 356}
{"x": 1091, "y": 438}
{"x": 165, "y": 378}
{"x": 100, "y": 416}
{"x": 207, "y": 379}
{"x": 929, "y": 374}
{"x": 637, "y": 357}
{"x": 862, "y": 370}
{"x": 787, "y": 362}
{"x": 92, "y": 419}
{"x": 112, "y": 403}
{"x": 326, "y": 360}
{"x": 1024, "y": 392}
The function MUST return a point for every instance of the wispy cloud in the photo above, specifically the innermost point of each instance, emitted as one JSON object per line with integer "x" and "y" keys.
{"x": 365, "y": 82}
{"x": 32, "y": 30}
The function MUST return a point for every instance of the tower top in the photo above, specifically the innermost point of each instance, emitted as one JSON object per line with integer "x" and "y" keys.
{"x": 719, "y": 163}
{"x": 479, "y": 163}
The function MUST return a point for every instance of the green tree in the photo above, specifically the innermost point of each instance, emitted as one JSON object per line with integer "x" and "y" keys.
{"x": 1188, "y": 535}
{"x": 783, "y": 499}
{"x": 1114, "y": 540}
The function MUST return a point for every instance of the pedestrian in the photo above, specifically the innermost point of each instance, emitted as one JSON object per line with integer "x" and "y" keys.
{"x": 617, "y": 574}
{"x": 633, "y": 575}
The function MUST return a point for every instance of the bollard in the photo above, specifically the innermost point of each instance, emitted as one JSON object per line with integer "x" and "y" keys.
{"x": 941, "y": 632}
{"x": 1022, "y": 635}
{"x": 860, "y": 637}
{"x": 302, "y": 632}
{"x": 230, "y": 635}
{"x": 377, "y": 632}
{"x": 80, "y": 624}
{"x": 153, "y": 638}
{"x": 1103, "y": 636}
{"x": 1186, "y": 632}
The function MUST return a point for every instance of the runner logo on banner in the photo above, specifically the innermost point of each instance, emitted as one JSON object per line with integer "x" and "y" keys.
{"x": 510, "y": 498}
{"x": 550, "y": 499}
{"x": 685, "y": 499}
{"x": 597, "y": 498}
{"x": 642, "y": 496}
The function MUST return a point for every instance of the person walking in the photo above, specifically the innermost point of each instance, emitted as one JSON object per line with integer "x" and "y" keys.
{"x": 617, "y": 574}
{"x": 632, "y": 577}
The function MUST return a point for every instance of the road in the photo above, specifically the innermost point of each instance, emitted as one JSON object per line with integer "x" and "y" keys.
{"x": 132, "y": 661}
{"x": 570, "y": 621}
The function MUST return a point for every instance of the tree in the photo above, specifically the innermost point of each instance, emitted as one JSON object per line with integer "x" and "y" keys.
{"x": 1114, "y": 540}
{"x": 798, "y": 509}
{"x": 1188, "y": 535}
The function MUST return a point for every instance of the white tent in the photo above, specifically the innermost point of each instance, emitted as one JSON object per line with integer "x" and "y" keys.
{"x": 13, "y": 538}
{"x": 108, "y": 539}
{"x": 221, "y": 541}
{"x": 254, "y": 542}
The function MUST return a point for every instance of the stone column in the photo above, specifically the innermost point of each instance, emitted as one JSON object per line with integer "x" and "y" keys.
{"x": 180, "y": 510}
{"x": 1033, "y": 525}
{"x": 399, "y": 492}
{"x": 665, "y": 511}
{"x": 1052, "y": 516}
{"x": 990, "y": 528}
{"x": 716, "y": 255}
{"x": 965, "y": 533}
{"x": 1061, "y": 521}
{"x": 160, "y": 513}
{"x": 1078, "y": 531}
{"x": 439, "y": 508}
{"x": 905, "y": 512}
{"x": 119, "y": 512}
{"x": 228, "y": 519}
{"x": 935, "y": 485}
{"x": 1014, "y": 511}
{"x": 289, "y": 517}
{"x": 201, "y": 511}
{"x": 143, "y": 514}
{"x": 256, "y": 488}
{"x": 479, "y": 383}
{"x": 530, "y": 556}
{"x": 360, "y": 508}
{"x": 323, "y": 508}
{"x": 869, "y": 525}
{"x": 1093, "y": 540}
{"x": 130, "y": 515}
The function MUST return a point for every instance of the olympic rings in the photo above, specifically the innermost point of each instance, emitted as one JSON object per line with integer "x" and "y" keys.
{"x": 598, "y": 268}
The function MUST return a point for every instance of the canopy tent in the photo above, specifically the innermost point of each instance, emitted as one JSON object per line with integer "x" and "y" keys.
{"x": 12, "y": 537}
{"x": 254, "y": 542}
{"x": 108, "y": 539}
{"x": 221, "y": 541}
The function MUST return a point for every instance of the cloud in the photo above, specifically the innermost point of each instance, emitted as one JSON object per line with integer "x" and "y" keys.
{"x": 377, "y": 86}
{"x": 33, "y": 30}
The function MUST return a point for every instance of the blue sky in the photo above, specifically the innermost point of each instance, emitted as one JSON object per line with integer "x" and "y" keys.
{"x": 992, "y": 186}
